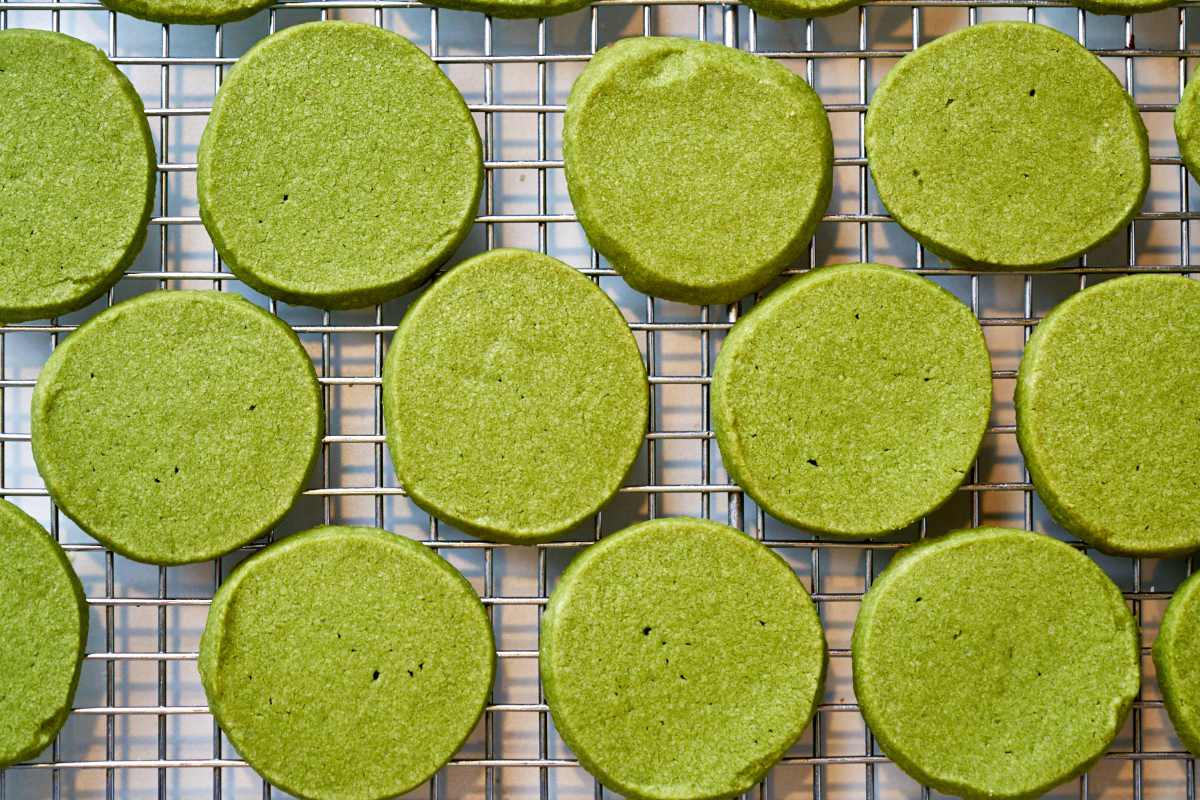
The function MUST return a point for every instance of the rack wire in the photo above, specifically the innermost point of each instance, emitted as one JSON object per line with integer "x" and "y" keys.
{"x": 141, "y": 729}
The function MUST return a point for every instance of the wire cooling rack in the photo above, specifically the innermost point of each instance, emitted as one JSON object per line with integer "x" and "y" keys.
{"x": 140, "y": 728}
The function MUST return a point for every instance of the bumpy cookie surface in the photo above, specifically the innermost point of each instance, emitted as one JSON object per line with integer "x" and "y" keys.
{"x": 43, "y": 629}
{"x": 178, "y": 425}
{"x": 77, "y": 170}
{"x": 784, "y": 9}
{"x": 1177, "y": 662}
{"x": 347, "y": 663}
{"x": 1108, "y": 414}
{"x": 515, "y": 9}
{"x": 698, "y": 170}
{"x": 514, "y": 396}
{"x": 681, "y": 659}
{"x": 994, "y": 662}
{"x": 189, "y": 12}
{"x": 1123, "y": 6}
{"x": 1007, "y": 145}
{"x": 339, "y": 167}
{"x": 853, "y": 399}
{"x": 1187, "y": 127}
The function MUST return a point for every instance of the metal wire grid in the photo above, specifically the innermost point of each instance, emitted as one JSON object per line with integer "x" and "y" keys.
{"x": 515, "y": 752}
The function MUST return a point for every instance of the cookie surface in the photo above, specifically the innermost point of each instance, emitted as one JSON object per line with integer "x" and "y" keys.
{"x": 853, "y": 399}
{"x": 994, "y": 662}
{"x": 346, "y": 663}
{"x": 1007, "y": 144}
{"x": 189, "y": 12}
{"x": 43, "y": 627}
{"x": 1177, "y": 662}
{"x": 1187, "y": 127}
{"x": 77, "y": 168}
{"x": 339, "y": 166}
{"x": 515, "y": 9}
{"x": 680, "y": 659}
{"x": 178, "y": 425}
{"x": 698, "y": 170}
{"x": 1108, "y": 413}
{"x": 785, "y": 9}
{"x": 1123, "y": 6}
{"x": 514, "y": 396}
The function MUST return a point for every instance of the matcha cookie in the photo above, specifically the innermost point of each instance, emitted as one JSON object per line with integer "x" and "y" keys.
{"x": 515, "y": 398}
{"x": 339, "y": 166}
{"x": 994, "y": 663}
{"x": 853, "y": 400}
{"x": 784, "y": 9}
{"x": 189, "y": 12}
{"x": 346, "y": 663}
{"x": 1177, "y": 661}
{"x": 698, "y": 170}
{"x": 515, "y": 9}
{"x": 178, "y": 425}
{"x": 77, "y": 171}
{"x": 43, "y": 629}
{"x": 1124, "y": 6}
{"x": 1187, "y": 127}
{"x": 681, "y": 659}
{"x": 1108, "y": 414}
{"x": 1007, "y": 145}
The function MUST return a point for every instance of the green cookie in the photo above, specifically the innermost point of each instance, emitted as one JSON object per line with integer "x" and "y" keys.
{"x": 178, "y": 425}
{"x": 1177, "y": 661}
{"x": 784, "y": 9}
{"x": 515, "y": 9}
{"x": 1108, "y": 414}
{"x": 347, "y": 663}
{"x": 681, "y": 659}
{"x": 339, "y": 167}
{"x": 43, "y": 630}
{"x": 1124, "y": 6}
{"x": 77, "y": 169}
{"x": 994, "y": 663}
{"x": 515, "y": 398}
{"x": 853, "y": 399}
{"x": 1187, "y": 127}
{"x": 189, "y": 12}
{"x": 698, "y": 170}
{"x": 1007, "y": 145}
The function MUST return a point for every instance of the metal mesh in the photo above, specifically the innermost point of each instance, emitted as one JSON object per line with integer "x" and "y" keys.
{"x": 141, "y": 728}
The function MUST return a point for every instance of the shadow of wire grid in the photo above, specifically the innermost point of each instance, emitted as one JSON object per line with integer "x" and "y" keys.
{"x": 141, "y": 728}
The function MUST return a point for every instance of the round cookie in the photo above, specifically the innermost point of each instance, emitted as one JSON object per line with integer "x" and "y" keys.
{"x": 1108, "y": 414}
{"x": 515, "y": 397}
{"x": 698, "y": 170}
{"x": 1007, "y": 144}
{"x": 347, "y": 663}
{"x": 853, "y": 400}
{"x": 189, "y": 12}
{"x": 1187, "y": 127}
{"x": 339, "y": 166}
{"x": 77, "y": 170}
{"x": 515, "y": 9}
{"x": 994, "y": 662}
{"x": 1123, "y": 6}
{"x": 680, "y": 659}
{"x": 1177, "y": 662}
{"x": 43, "y": 627}
{"x": 178, "y": 425}
{"x": 786, "y": 9}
